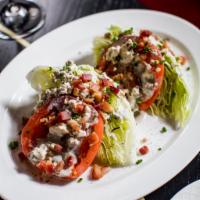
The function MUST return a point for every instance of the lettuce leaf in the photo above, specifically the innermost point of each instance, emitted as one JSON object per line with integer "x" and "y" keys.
{"x": 118, "y": 140}
{"x": 173, "y": 102}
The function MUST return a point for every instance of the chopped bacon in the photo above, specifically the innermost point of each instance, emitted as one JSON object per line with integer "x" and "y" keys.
{"x": 106, "y": 82}
{"x": 98, "y": 171}
{"x": 64, "y": 116}
{"x": 106, "y": 107}
{"x": 79, "y": 108}
{"x": 58, "y": 148}
{"x": 86, "y": 77}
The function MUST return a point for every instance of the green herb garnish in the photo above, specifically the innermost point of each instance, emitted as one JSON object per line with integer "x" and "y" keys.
{"x": 75, "y": 115}
{"x": 188, "y": 69}
{"x": 134, "y": 45}
{"x": 159, "y": 149}
{"x": 79, "y": 180}
{"x": 163, "y": 130}
{"x": 138, "y": 161}
{"x": 13, "y": 145}
{"x": 146, "y": 49}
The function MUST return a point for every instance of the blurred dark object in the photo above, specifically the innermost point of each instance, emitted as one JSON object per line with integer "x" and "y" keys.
{"x": 189, "y": 10}
{"x": 22, "y": 17}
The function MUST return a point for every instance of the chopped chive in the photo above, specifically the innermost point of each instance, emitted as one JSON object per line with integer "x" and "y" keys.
{"x": 188, "y": 69}
{"x": 13, "y": 145}
{"x": 75, "y": 115}
{"x": 134, "y": 45}
{"x": 128, "y": 31}
{"x": 146, "y": 49}
{"x": 79, "y": 180}
{"x": 163, "y": 130}
{"x": 159, "y": 149}
{"x": 138, "y": 161}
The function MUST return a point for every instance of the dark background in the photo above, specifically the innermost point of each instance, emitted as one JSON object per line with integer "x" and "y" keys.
{"x": 60, "y": 12}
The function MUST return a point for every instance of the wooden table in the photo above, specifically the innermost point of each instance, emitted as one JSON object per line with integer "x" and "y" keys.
{"x": 62, "y": 11}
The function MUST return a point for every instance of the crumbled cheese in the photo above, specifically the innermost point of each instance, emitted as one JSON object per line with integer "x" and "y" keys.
{"x": 112, "y": 53}
{"x": 38, "y": 153}
{"x": 59, "y": 130}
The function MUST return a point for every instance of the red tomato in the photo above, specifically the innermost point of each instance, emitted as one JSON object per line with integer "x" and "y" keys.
{"x": 34, "y": 129}
{"x": 159, "y": 79}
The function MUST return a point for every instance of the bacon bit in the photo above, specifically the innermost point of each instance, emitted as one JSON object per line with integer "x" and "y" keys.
{"x": 118, "y": 77}
{"x": 98, "y": 96}
{"x": 86, "y": 77}
{"x": 98, "y": 171}
{"x": 76, "y": 82}
{"x": 76, "y": 92}
{"x": 105, "y": 82}
{"x": 93, "y": 139}
{"x": 60, "y": 166}
{"x": 89, "y": 100}
{"x": 58, "y": 148}
{"x": 114, "y": 89}
{"x": 165, "y": 44}
{"x": 182, "y": 60}
{"x": 145, "y": 33}
{"x": 79, "y": 108}
{"x": 141, "y": 44}
{"x": 64, "y": 116}
{"x": 144, "y": 150}
{"x": 74, "y": 125}
{"x": 106, "y": 107}
{"x": 22, "y": 157}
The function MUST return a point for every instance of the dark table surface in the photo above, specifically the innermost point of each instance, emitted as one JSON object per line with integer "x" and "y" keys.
{"x": 62, "y": 11}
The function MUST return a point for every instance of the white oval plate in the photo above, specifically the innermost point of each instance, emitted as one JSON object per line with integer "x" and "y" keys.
{"x": 74, "y": 41}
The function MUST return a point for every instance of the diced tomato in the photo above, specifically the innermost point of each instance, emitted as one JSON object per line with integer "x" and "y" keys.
{"x": 145, "y": 33}
{"x": 98, "y": 171}
{"x": 106, "y": 82}
{"x": 86, "y": 77}
{"x": 114, "y": 89}
{"x": 64, "y": 116}
{"x": 144, "y": 150}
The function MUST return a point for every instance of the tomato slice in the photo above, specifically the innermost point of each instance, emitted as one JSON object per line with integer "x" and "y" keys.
{"x": 159, "y": 79}
{"x": 108, "y": 67}
{"x": 34, "y": 129}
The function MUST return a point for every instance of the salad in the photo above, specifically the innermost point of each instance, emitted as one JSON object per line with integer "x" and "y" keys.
{"x": 81, "y": 115}
{"x": 85, "y": 115}
{"x": 147, "y": 69}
